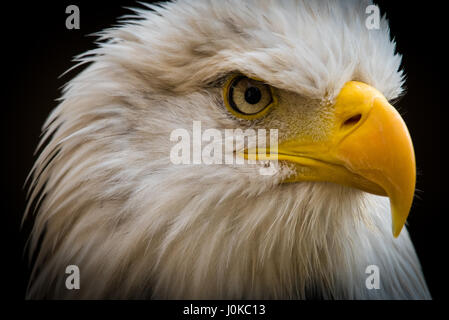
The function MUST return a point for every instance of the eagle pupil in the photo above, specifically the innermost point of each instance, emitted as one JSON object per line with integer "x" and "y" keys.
{"x": 253, "y": 95}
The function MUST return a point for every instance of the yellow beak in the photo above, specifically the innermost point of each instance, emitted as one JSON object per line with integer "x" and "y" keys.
{"x": 369, "y": 148}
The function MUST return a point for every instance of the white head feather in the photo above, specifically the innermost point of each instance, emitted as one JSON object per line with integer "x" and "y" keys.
{"x": 112, "y": 203}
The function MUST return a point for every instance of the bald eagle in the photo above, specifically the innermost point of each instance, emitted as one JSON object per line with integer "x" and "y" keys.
{"x": 110, "y": 201}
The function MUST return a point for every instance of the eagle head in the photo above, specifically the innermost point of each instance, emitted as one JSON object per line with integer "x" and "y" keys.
{"x": 133, "y": 184}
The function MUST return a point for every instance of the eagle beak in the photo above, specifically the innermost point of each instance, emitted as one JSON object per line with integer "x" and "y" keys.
{"x": 369, "y": 148}
{"x": 378, "y": 147}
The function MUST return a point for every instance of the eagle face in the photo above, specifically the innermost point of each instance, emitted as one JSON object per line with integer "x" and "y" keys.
{"x": 139, "y": 226}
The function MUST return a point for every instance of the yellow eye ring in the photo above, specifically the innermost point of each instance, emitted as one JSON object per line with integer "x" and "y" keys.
{"x": 231, "y": 106}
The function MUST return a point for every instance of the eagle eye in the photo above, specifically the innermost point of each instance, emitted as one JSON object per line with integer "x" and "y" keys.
{"x": 248, "y": 98}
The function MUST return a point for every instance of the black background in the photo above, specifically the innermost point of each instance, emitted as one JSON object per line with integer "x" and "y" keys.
{"x": 39, "y": 49}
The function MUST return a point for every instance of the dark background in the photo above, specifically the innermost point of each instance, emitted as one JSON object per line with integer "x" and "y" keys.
{"x": 39, "y": 49}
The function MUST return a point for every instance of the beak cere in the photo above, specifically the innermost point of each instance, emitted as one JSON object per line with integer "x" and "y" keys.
{"x": 369, "y": 148}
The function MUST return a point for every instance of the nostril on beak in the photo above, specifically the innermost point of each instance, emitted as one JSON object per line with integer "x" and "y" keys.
{"x": 352, "y": 121}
